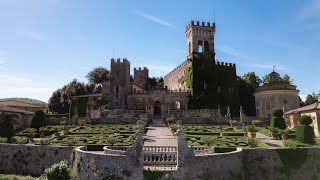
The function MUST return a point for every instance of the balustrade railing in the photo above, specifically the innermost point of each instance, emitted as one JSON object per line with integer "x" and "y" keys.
{"x": 160, "y": 148}
{"x": 159, "y": 158}
{"x": 117, "y": 150}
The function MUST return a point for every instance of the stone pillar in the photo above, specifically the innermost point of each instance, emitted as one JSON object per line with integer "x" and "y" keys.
{"x": 182, "y": 147}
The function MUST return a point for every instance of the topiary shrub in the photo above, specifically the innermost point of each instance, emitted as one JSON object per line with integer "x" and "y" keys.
{"x": 277, "y": 120}
{"x": 277, "y": 112}
{"x": 38, "y": 120}
{"x": 304, "y": 132}
{"x": 6, "y": 125}
{"x": 305, "y": 120}
{"x": 59, "y": 171}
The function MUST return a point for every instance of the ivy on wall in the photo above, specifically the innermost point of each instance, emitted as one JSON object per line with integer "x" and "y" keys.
{"x": 82, "y": 107}
{"x": 203, "y": 77}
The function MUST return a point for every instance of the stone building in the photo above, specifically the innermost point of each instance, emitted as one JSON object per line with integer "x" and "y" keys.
{"x": 276, "y": 94}
{"x": 211, "y": 83}
{"x": 312, "y": 110}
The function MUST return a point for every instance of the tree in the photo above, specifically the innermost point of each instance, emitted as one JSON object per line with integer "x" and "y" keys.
{"x": 266, "y": 79}
{"x": 156, "y": 82}
{"x": 38, "y": 120}
{"x": 286, "y": 78}
{"x": 247, "y": 99}
{"x": 252, "y": 79}
{"x": 6, "y": 125}
{"x": 98, "y": 75}
{"x": 310, "y": 99}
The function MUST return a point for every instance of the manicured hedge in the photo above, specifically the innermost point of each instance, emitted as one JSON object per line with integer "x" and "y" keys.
{"x": 305, "y": 134}
{"x": 58, "y": 116}
{"x": 277, "y": 120}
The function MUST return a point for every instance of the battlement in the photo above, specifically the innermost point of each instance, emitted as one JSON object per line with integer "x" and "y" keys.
{"x": 140, "y": 69}
{"x": 225, "y": 64}
{"x": 203, "y": 24}
{"x": 118, "y": 61}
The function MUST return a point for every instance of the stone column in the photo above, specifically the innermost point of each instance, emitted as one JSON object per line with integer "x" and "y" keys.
{"x": 182, "y": 147}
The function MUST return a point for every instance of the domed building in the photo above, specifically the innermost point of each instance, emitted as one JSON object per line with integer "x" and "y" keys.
{"x": 276, "y": 94}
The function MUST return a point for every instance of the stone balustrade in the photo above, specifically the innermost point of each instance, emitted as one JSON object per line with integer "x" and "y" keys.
{"x": 159, "y": 158}
{"x": 117, "y": 150}
{"x": 160, "y": 148}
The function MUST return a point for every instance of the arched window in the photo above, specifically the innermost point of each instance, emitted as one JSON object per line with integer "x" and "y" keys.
{"x": 206, "y": 46}
{"x": 200, "y": 48}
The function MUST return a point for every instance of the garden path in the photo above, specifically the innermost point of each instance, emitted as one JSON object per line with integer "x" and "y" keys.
{"x": 159, "y": 134}
{"x": 268, "y": 140}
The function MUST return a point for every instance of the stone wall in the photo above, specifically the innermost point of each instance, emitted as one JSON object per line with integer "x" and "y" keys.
{"x": 172, "y": 81}
{"x": 213, "y": 166}
{"x": 31, "y": 159}
{"x": 281, "y": 163}
{"x": 94, "y": 166}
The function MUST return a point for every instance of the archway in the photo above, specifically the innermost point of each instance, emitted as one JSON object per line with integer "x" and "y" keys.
{"x": 157, "y": 108}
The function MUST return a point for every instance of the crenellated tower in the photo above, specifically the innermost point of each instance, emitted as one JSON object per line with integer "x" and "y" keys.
{"x": 119, "y": 83}
{"x": 141, "y": 77}
{"x": 200, "y": 37}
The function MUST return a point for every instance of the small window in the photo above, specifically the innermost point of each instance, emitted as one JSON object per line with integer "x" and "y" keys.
{"x": 117, "y": 89}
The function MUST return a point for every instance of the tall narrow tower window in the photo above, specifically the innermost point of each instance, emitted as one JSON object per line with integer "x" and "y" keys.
{"x": 200, "y": 48}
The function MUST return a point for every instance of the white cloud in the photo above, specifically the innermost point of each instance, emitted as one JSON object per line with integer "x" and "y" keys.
{"x": 154, "y": 19}
{"x": 35, "y": 35}
{"x": 310, "y": 10}
{"x": 269, "y": 66}
{"x": 303, "y": 97}
{"x": 233, "y": 52}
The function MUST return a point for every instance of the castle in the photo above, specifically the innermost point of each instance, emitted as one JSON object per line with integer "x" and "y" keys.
{"x": 198, "y": 82}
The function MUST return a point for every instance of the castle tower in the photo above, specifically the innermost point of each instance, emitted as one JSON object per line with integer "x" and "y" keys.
{"x": 141, "y": 77}
{"x": 200, "y": 37}
{"x": 119, "y": 83}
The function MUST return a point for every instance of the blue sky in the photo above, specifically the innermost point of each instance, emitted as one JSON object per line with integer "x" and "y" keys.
{"x": 44, "y": 44}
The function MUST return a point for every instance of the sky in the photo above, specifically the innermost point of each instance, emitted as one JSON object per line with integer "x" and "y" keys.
{"x": 44, "y": 44}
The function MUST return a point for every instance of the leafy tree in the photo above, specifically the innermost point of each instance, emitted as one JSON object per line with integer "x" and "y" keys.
{"x": 266, "y": 79}
{"x": 252, "y": 79}
{"x": 311, "y": 98}
{"x": 301, "y": 102}
{"x": 98, "y": 75}
{"x": 6, "y": 125}
{"x": 38, "y": 120}
{"x": 246, "y": 87}
{"x": 156, "y": 82}
{"x": 286, "y": 78}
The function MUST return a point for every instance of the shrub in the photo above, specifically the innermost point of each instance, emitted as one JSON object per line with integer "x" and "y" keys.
{"x": 285, "y": 132}
{"x": 232, "y": 122}
{"x": 174, "y": 127}
{"x": 38, "y": 120}
{"x": 111, "y": 140}
{"x": 59, "y": 171}
{"x": 305, "y": 120}
{"x": 274, "y": 129}
{"x": 277, "y": 120}
{"x": 290, "y": 143}
{"x": 45, "y": 141}
{"x": 3, "y": 140}
{"x": 6, "y": 125}
{"x": 251, "y": 129}
{"x": 255, "y": 122}
{"x": 31, "y": 130}
{"x": 253, "y": 143}
{"x": 72, "y": 141}
{"x": 19, "y": 140}
{"x": 209, "y": 141}
{"x": 42, "y": 129}
{"x": 277, "y": 112}
{"x": 170, "y": 120}
{"x": 305, "y": 134}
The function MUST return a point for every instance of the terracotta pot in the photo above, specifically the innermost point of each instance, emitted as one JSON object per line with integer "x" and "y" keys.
{"x": 253, "y": 134}
{"x": 273, "y": 135}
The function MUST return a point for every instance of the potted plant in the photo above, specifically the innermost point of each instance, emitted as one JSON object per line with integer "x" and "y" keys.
{"x": 273, "y": 131}
{"x": 245, "y": 131}
{"x": 252, "y": 131}
{"x": 42, "y": 132}
{"x": 255, "y": 122}
{"x": 284, "y": 134}
{"x": 31, "y": 132}
{"x": 232, "y": 122}
{"x": 56, "y": 131}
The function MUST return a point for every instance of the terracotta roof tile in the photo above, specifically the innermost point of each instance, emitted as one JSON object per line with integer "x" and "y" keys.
{"x": 13, "y": 103}
{"x": 13, "y": 110}
{"x": 313, "y": 106}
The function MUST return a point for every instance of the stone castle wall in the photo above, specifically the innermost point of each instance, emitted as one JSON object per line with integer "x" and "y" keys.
{"x": 141, "y": 77}
{"x": 31, "y": 159}
{"x": 172, "y": 81}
